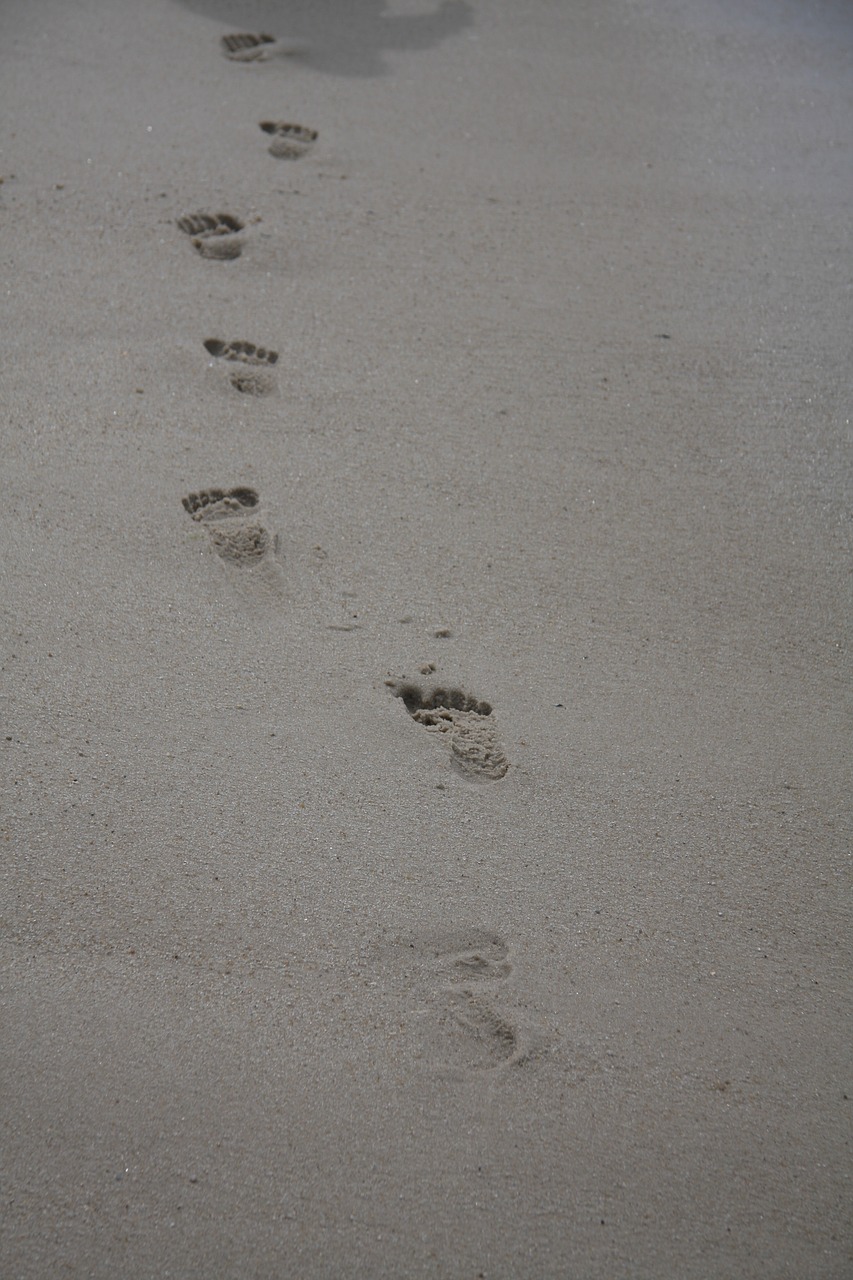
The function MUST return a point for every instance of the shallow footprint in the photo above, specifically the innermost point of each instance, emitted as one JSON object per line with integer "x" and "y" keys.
{"x": 480, "y": 964}
{"x": 475, "y": 748}
{"x": 241, "y": 537}
{"x": 446, "y": 959}
{"x": 289, "y": 141}
{"x": 454, "y": 981}
{"x": 214, "y": 235}
{"x": 452, "y": 955}
{"x": 244, "y": 46}
{"x": 245, "y": 351}
{"x": 474, "y": 1037}
{"x": 251, "y": 377}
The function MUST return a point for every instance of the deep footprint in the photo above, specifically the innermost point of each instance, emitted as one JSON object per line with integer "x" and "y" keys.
{"x": 241, "y": 539}
{"x": 475, "y": 748}
{"x": 214, "y": 503}
{"x": 245, "y": 351}
{"x": 289, "y": 141}
{"x": 214, "y": 235}
{"x": 252, "y": 376}
{"x": 244, "y": 46}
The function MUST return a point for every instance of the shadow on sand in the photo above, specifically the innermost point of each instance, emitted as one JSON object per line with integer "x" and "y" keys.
{"x": 344, "y": 37}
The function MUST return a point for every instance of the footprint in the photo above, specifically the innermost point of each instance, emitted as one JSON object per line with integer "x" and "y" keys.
{"x": 245, "y": 351}
{"x": 246, "y": 47}
{"x": 457, "y": 977}
{"x": 241, "y": 537}
{"x": 214, "y": 235}
{"x": 252, "y": 375}
{"x": 451, "y": 956}
{"x": 289, "y": 141}
{"x": 481, "y": 964}
{"x": 475, "y": 748}
{"x": 477, "y": 1038}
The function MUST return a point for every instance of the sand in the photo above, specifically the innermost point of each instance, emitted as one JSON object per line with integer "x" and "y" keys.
{"x": 526, "y": 389}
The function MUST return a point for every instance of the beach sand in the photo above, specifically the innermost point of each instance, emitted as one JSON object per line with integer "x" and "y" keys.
{"x": 526, "y": 389}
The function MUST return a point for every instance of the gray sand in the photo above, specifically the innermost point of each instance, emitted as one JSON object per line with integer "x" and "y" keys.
{"x": 295, "y": 981}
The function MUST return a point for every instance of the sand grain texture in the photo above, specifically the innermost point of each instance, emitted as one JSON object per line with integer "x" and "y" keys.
{"x": 559, "y": 302}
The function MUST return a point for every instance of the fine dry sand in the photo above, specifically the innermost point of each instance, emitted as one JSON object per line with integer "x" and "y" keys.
{"x": 526, "y": 388}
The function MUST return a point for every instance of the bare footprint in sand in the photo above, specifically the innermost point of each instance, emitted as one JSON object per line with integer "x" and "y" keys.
{"x": 458, "y": 977}
{"x": 249, "y": 370}
{"x": 475, "y": 1037}
{"x": 214, "y": 235}
{"x": 289, "y": 141}
{"x": 245, "y": 46}
{"x": 454, "y": 956}
{"x": 475, "y": 747}
{"x": 240, "y": 536}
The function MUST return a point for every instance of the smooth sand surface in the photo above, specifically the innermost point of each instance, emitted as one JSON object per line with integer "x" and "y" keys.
{"x": 293, "y": 984}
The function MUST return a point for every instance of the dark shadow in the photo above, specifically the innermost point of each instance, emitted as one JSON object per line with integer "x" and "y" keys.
{"x": 344, "y": 37}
